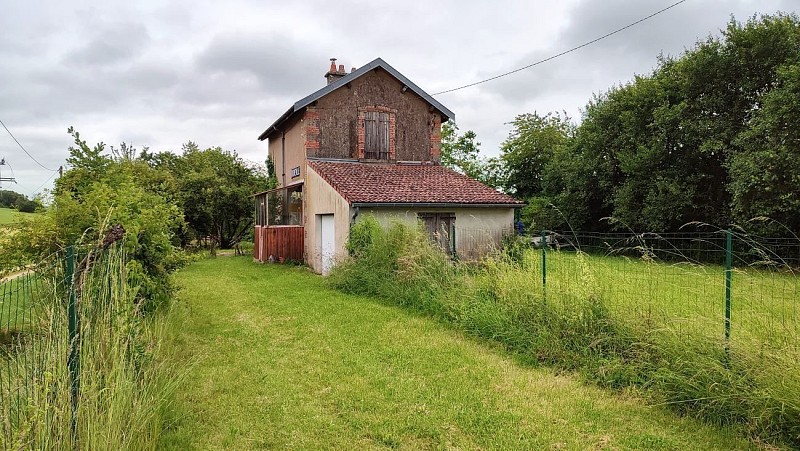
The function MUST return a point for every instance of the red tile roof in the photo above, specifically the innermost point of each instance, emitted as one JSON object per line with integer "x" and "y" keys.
{"x": 405, "y": 183}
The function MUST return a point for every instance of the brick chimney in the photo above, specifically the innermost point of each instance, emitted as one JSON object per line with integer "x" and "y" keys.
{"x": 335, "y": 73}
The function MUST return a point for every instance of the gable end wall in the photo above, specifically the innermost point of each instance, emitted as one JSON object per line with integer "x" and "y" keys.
{"x": 416, "y": 126}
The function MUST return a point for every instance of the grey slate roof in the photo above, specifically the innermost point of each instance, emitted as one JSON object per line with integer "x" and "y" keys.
{"x": 377, "y": 62}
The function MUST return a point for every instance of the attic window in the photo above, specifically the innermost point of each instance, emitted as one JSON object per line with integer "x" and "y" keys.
{"x": 376, "y": 133}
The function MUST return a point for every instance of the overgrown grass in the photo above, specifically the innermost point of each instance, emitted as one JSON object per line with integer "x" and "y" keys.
{"x": 282, "y": 361}
{"x": 589, "y": 323}
{"x": 126, "y": 378}
{"x": 687, "y": 298}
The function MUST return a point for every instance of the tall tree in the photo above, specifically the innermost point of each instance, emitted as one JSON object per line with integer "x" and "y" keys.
{"x": 530, "y": 146}
{"x": 765, "y": 173}
{"x": 706, "y": 137}
{"x": 216, "y": 188}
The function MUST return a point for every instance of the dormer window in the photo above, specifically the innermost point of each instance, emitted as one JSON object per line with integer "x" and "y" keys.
{"x": 376, "y": 133}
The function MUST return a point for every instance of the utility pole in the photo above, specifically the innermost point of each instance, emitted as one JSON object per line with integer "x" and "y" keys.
{"x": 5, "y": 179}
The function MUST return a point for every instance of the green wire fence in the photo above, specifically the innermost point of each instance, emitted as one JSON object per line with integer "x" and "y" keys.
{"x": 57, "y": 319}
{"x": 721, "y": 285}
{"x": 699, "y": 284}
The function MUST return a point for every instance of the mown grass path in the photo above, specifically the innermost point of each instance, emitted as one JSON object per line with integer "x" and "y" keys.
{"x": 281, "y": 361}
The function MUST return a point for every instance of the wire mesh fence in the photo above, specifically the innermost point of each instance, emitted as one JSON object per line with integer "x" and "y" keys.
{"x": 33, "y": 331}
{"x": 717, "y": 285}
{"x": 57, "y": 321}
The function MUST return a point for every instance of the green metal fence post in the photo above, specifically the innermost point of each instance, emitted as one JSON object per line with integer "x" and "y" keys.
{"x": 73, "y": 360}
{"x": 544, "y": 266}
{"x": 728, "y": 275}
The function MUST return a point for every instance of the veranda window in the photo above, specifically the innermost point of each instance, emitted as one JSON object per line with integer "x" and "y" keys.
{"x": 282, "y": 206}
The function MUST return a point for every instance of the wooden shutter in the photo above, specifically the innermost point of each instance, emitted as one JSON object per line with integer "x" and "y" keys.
{"x": 376, "y": 135}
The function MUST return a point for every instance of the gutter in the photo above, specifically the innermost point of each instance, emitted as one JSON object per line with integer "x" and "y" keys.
{"x": 431, "y": 205}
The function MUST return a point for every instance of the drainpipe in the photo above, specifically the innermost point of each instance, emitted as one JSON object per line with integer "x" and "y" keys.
{"x": 353, "y": 217}
{"x": 283, "y": 158}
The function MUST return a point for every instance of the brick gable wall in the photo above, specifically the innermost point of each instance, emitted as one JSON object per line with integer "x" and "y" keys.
{"x": 415, "y": 131}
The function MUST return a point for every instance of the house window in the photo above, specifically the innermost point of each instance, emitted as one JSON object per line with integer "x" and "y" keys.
{"x": 376, "y": 134}
{"x": 440, "y": 229}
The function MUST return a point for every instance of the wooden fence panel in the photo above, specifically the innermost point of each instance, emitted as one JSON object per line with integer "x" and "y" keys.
{"x": 282, "y": 242}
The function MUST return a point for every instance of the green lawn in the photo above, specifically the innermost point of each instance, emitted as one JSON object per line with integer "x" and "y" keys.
{"x": 18, "y": 311}
{"x": 10, "y": 216}
{"x": 281, "y": 361}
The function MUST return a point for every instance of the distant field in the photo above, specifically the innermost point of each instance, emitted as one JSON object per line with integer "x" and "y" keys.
{"x": 10, "y": 216}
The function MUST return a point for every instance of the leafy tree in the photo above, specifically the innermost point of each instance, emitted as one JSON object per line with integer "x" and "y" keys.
{"x": 461, "y": 152}
{"x": 531, "y": 144}
{"x": 706, "y": 137}
{"x": 216, "y": 188}
{"x": 98, "y": 190}
{"x": 765, "y": 174}
{"x": 272, "y": 177}
{"x": 27, "y": 206}
{"x": 12, "y": 199}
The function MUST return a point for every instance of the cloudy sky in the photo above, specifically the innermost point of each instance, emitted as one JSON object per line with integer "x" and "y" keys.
{"x": 158, "y": 73}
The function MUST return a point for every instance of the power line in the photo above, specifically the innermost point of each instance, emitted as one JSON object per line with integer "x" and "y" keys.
{"x": 23, "y": 149}
{"x": 566, "y": 51}
{"x": 36, "y": 191}
{"x": 6, "y": 163}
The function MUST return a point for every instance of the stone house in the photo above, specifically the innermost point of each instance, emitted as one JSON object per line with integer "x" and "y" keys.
{"x": 369, "y": 142}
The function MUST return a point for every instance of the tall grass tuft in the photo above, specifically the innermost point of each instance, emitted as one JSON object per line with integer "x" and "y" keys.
{"x": 126, "y": 379}
{"x": 574, "y": 328}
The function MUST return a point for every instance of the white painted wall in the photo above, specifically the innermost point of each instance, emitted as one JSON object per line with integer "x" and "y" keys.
{"x": 321, "y": 199}
{"x": 478, "y": 230}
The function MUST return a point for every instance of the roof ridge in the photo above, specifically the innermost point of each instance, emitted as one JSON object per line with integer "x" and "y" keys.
{"x": 325, "y": 90}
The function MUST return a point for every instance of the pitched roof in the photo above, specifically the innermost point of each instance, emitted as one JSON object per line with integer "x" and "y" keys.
{"x": 376, "y": 63}
{"x": 369, "y": 183}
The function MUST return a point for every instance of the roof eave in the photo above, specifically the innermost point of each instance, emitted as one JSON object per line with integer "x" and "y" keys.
{"x": 435, "y": 205}
{"x": 274, "y": 127}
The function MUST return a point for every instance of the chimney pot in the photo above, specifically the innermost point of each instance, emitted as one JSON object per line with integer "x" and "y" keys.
{"x": 335, "y": 73}
{"x": 352, "y": 69}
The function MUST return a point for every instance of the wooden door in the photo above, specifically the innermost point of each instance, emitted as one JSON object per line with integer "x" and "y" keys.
{"x": 440, "y": 229}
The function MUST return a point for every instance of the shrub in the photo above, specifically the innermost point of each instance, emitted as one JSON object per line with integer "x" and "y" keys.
{"x": 101, "y": 190}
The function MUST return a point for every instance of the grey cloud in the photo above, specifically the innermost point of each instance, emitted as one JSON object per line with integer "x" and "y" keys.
{"x": 279, "y": 63}
{"x": 618, "y": 58}
{"x": 159, "y": 74}
{"x": 116, "y": 43}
